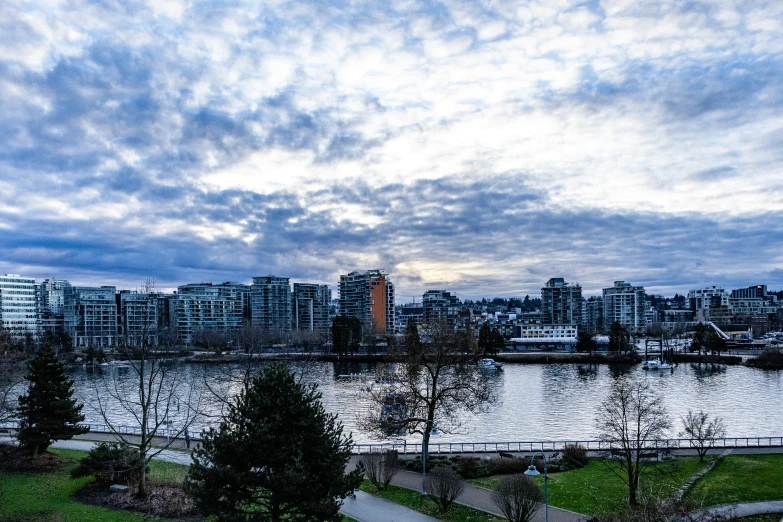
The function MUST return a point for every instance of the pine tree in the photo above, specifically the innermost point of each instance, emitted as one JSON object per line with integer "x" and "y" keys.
{"x": 47, "y": 412}
{"x": 277, "y": 455}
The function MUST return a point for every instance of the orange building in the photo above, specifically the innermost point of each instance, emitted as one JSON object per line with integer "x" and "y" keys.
{"x": 368, "y": 296}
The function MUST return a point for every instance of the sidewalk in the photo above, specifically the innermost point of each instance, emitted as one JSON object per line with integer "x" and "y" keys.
{"x": 481, "y": 498}
{"x": 367, "y": 508}
{"x": 176, "y": 457}
{"x": 747, "y": 509}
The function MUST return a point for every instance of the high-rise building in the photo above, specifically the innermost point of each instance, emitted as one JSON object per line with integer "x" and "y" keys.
{"x": 561, "y": 302}
{"x": 704, "y": 298}
{"x": 90, "y": 315}
{"x": 191, "y": 313}
{"x": 627, "y": 305}
{"x": 593, "y": 314}
{"x": 228, "y": 290}
{"x": 368, "y": 296}
{"x": 18, "y": 306}
{"x": 138, "y": 318}
{"x": 311, "y": 304}
{"x": 270, "y": 304}
{"x": 51, "y": 305}
{"x": 440, "y": 304}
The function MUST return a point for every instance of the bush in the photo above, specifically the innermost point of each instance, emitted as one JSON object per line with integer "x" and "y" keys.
{"x": 507, "y": 466}
{"x": 471, "y": 467}
{"x": 518, "y": 497}
{"x": 445, "y": 485}
{"x": 110, "y": 463}
{"x": 575, "y": 455}
{"x": 380, "y": 467}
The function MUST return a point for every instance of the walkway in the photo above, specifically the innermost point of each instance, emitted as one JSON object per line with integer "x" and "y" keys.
{"x": 367, "y": 508}
{"x": 748, "y": 509}
{"x": 481, "y": 498}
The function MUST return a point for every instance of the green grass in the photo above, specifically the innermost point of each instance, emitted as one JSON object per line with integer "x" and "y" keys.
{"x": 33, "y": 497}
{"x": 741, "y": 478}
{"x": 415, "y": 500}
{"x": 595, "y": 488}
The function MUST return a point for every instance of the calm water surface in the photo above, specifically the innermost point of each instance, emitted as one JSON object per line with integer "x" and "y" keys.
{"x": 537, "y": 402}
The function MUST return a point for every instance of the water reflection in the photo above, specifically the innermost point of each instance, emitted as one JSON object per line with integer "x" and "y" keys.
{"x": 536, "y": 402}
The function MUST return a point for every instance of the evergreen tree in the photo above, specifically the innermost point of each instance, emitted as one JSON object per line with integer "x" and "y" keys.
{"x": 498, "y": 342}
{"x": 412, "y": 338}
{"x": 47, "y": 412}
{"x": 346, "y": 334}
{"x": 619, "y": 338}
{"x": 485, "y": 338}
{"x": 277, "y": 455}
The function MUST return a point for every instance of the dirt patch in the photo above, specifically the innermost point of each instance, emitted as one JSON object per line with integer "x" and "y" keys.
{"x": 163, "y": 500}
{"x": 14, "y": 460}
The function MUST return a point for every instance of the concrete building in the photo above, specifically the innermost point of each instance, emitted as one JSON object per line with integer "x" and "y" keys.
{"x": 561, "y": 302}
{"x": 191, "y": 313}
{"x": 627, "y": 305}
{"x": 368, "y": 296}
{"x": 18, "y": 306}
{"x": 51, "y": 305}
{"x": 228, "y": 290}
{"x": 440, "y": 304}
{"x": 593, "y": 314}
{"x": 270, "y": 304}
{"x": 311, "y": 304}
{"x": 704, "y": 298}
{"x": 138, "y": 318}
{"x": 90, "y": 316}
{"x": 405, "y": 314}
{"x": 557, "y": 336}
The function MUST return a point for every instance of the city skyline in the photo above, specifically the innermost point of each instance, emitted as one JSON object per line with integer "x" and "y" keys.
{"x": 481, "y": 148}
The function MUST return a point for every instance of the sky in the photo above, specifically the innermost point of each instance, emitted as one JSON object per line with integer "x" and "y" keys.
{"x": 479, "y": 146}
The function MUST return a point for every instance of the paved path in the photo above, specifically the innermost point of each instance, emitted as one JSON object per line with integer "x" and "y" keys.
{"x": 747, "y": 510}
{"x": 481, "y": 498}
{"x": 367, "y": 508}
{"x": 177, "y": 457}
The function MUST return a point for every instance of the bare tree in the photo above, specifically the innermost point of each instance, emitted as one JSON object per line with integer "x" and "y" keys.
{"x": 12, "y": 367}
{"x": 149, "y": 392}
{"x": 446, "y": 485}
{"x": 702, "y": 431}
{"x": 380, "y": 466}
{"x": 631, "y": 417}
{"x": 518, "y": 497}
{"x": 433, "y": 381}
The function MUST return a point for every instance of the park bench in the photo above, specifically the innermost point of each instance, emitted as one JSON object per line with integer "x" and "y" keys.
{"x": 505, "y": 454}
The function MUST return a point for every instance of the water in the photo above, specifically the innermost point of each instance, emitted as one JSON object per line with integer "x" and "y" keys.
{"x": 536, "y": 402}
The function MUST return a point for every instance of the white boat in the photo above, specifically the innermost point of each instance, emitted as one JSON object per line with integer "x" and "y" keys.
{"x": 489, "y": 364}
{"x": 656, "y": 364}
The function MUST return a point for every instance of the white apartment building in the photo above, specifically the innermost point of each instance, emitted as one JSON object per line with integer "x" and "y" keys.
{"x": 625, "y": 304}
{"x": 18, "y": 307}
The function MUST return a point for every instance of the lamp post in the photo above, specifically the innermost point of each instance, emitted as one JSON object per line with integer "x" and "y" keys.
{"x": 532, "y": 471}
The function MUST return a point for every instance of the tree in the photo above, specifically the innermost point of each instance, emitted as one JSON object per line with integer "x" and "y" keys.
{"x": 631, "y": 417}
{"x": 619, "y": 338}
{"x": 153, "y": 395}
{"x": 498, "y": 342}
{"x": 485, "y": 338}
{"x": 445, "y": 485}
{"x": 585, "y": 342}
{"x": 702, "y": 431}
{"x": 518, "y": 497}
{"x": 277, "y": 455}
{"x": 12, "y": 358}
{"x": 346, "y": 334}
{"x": 47, "y": 412}
{"x": 380, "y": 466}
{"x": 715, "y": 343}
{"x": 700, "y": 335}
{"x": 433, "y": 382}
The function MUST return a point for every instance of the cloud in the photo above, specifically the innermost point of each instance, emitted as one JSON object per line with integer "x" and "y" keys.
{"x": 486, "y": 146}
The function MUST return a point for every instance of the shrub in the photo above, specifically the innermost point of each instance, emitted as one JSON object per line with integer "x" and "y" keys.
{"x": 507, "y": 466}
{"x": 110, "y": 463}
{"x": 380, "y": 467}
{"x": 575, "y": 455}
{"x": 445, "y": 485}
{"x": 471, "y": 467}
{"x": 518, "y": 497}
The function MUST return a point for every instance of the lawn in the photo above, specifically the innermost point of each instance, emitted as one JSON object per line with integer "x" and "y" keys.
{"x": 741, "y": 478}
{"x": 415, "y": 500}
{"x": 33, "y": 497}
{"x": 595, "y": 488}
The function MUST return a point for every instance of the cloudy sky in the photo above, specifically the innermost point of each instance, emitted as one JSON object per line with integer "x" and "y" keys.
{"x": 482, "y": 146}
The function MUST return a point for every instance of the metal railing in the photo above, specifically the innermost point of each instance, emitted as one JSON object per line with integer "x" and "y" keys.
{"x": 489, "y": 447}
{"x": 558, "y": 445}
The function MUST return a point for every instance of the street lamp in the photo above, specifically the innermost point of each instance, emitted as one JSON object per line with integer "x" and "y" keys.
{"x": 532, "y": 471}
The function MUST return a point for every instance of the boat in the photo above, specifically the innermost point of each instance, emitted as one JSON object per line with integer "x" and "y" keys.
{"x": 393, "y": 413}
{"x": 656, "y": 364}
{"x": 489, "y": 364}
